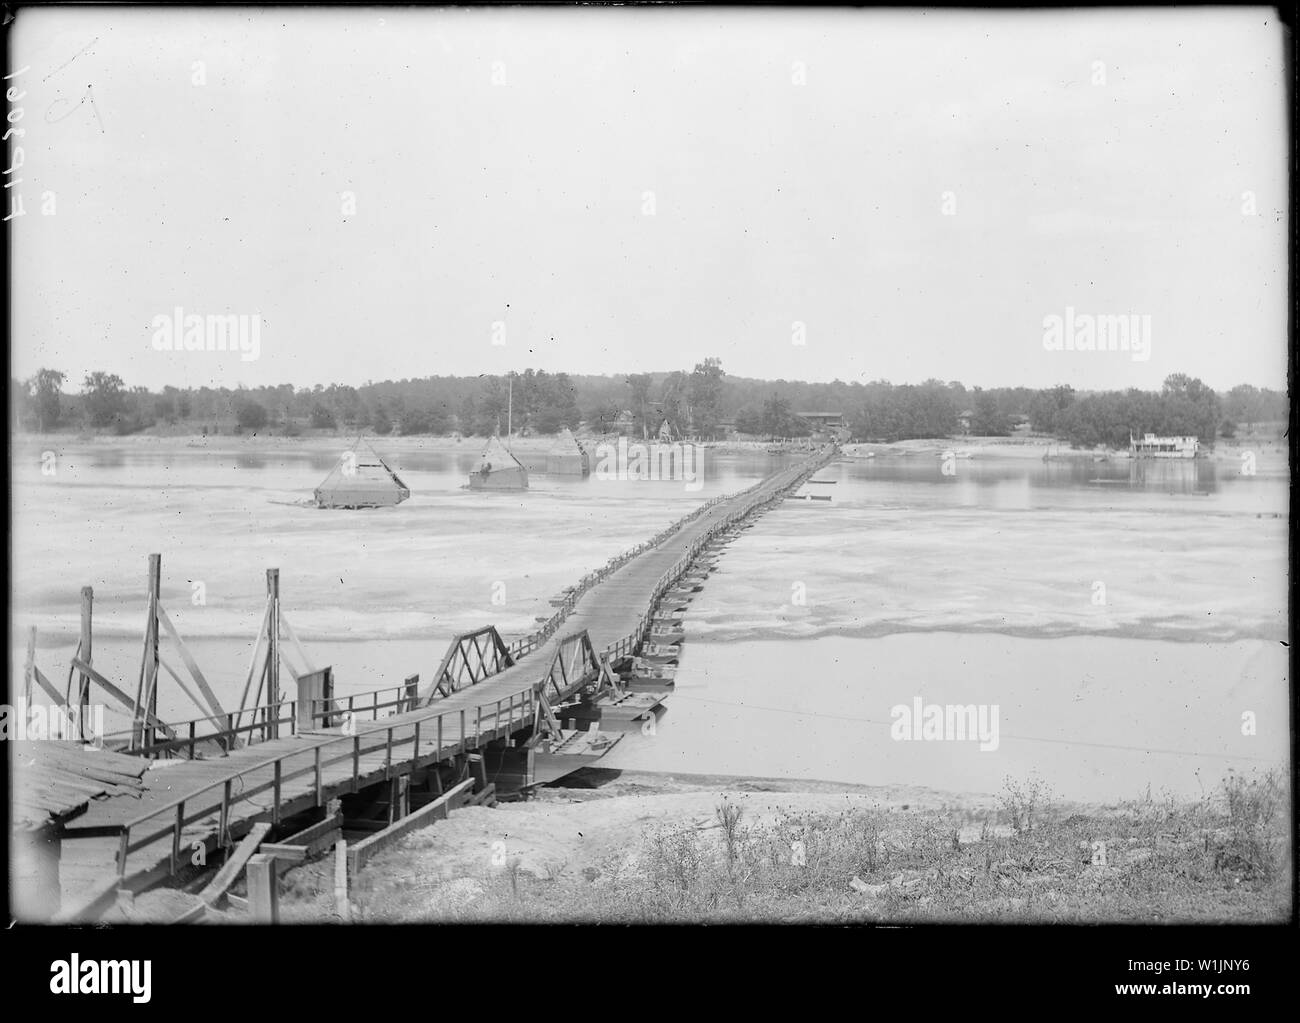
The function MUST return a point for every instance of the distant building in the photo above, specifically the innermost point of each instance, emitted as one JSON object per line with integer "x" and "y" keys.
{"x": 825, "y": 424}
{"x": 1151, "y": 446}
{"x": 624, "y": 423}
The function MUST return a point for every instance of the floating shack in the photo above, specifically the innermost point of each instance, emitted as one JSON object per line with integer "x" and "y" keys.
{"x": 54, "y": 782}
{"x": 498, "y": 469}
{"x": 1151, "y": 446}
{"x": 361, "y": 479}
{"x": 567, "y": 457}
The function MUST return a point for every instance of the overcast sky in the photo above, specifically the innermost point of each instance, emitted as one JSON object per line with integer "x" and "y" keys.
{"x": 918, "y": 190}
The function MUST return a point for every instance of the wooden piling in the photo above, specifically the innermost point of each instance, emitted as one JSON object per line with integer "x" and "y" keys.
{"x": 273, "y": 654}
{"x": 341, "y": 903}
{"x": 263, "y": 889}
{"x": 146, "y": 696}
{"x": 83, "y": 687}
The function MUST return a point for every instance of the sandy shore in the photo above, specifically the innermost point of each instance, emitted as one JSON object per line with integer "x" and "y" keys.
{"x": 583, "y": 828}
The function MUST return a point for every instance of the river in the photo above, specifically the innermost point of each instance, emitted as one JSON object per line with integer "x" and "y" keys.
{"x": 1121, "y": 618}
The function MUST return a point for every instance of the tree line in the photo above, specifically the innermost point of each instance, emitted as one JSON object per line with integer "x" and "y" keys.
{"x": 704, "y": 403}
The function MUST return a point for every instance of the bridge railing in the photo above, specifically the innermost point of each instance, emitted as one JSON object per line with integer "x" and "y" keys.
{"x": 501, "y": 717}
{"x": 219, "y": 729}
{"x": 325, "y": 708}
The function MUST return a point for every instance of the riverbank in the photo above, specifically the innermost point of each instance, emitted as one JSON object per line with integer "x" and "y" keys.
{"x": 644, "y": 847}
{"x": 1270, "y": 453}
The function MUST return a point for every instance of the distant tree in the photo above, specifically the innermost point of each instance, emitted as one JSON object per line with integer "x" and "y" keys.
{"x": 433, "y": 419}
{"x": 45, "y": 389}
{"x": 380, "y": 421}
{"x": 706, "y": 396}
{"x": 250, "y": 414}
{"x": 989, "y": 420}
{"x": 750, "y": 420}
{"x": 321, "y": 417}
{"x": 1245, "y": 403}
{"x": 639, "y": 384}
{"x": 1047, "y": 408}
{"x": 777, "y": 420}
{"x": 674, "y": 396}
{"x": 104, "y": 398}
{"x": 1228, "y": 429}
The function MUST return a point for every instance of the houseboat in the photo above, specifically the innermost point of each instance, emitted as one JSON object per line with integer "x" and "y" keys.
{"x": 1151, "y": 446}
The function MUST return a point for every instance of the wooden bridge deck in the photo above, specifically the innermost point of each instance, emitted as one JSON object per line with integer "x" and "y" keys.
{"x": 278, "y": 778}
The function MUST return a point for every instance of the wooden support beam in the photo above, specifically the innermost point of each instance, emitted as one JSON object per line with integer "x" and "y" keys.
{"x": 214, "y": 705}
{"x": 181, "y": 682}
{"x": 297, "y": 645}
{"x": 229, "y": 871}
{"x": 287, "y": 853}
{"x": 151, "y": 719}
{"x": 47, "y": 685}
{"x": 252, "y": 664}
{"x": 317, "y": 837}
{"x": 361, "y": 852}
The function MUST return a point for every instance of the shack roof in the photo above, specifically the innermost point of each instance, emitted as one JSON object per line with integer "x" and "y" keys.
{"x": 565, "y": 444}
{"x": 497, "y": 456}
{"x": 55, "y": 781}
{"x": 361, "y": 469}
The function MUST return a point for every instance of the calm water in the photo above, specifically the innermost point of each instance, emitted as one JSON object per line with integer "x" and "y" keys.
{"x": 1122, "y": 617}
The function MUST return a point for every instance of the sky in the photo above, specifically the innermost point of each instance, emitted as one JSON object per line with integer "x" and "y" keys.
{"x": 805, "y": 194}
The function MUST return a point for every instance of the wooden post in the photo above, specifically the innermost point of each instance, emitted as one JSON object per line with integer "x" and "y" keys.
{"x": 341, "y": 903}
{"x": 480, "y": 771}
{"x": 273, "y": 652}
{"x": 263, "y": 889}
{"x": 83, "y": 689}
{"x": 148, "y": 735}
{"x": 412, "y": 691}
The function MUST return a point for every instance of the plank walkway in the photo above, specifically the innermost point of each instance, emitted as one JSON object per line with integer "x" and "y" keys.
{"x": 183, "y": 807}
